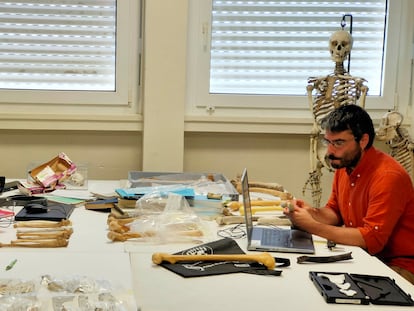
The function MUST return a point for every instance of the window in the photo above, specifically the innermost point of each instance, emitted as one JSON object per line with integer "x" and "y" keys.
{"x": 60, "y": 56}
{"x": 253, "y": 58}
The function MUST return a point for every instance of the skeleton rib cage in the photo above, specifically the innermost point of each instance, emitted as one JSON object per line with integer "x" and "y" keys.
{"x": 334, "y": 91}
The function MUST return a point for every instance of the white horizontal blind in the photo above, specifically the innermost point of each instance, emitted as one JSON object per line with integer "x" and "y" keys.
{"x": 58, "y": 45}
{"x": 273, "y": 47}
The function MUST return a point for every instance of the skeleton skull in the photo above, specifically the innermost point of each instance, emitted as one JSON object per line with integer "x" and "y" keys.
{"x": 388, "y": 125}
{"x": 340, "y": 45}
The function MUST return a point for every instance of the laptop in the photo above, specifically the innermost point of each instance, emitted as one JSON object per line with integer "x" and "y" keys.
{"x": 272, "y": 239}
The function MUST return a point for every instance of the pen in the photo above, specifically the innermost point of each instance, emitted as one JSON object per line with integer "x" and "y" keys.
{"x": 11, "y": 265}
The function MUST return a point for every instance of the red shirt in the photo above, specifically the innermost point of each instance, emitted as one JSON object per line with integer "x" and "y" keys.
{"x": 378, "y": 199}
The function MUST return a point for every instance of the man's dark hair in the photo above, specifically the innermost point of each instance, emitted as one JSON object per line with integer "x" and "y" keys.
{"x": 350, "y": 117}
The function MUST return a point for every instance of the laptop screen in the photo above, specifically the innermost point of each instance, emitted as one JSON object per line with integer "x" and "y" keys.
{"x": 246, "y": 203}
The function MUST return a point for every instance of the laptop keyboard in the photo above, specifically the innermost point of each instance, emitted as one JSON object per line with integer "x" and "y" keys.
{"x": 274, "y": 236}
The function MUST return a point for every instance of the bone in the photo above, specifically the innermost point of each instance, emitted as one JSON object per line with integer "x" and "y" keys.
{"x": 59, "y": 242}
{"x": 229, "y": 220}
{"x": 122, "y": 237}
{"x": 265, "y": 220}
{"x": 264, "y": 258}
{"x": 122, "y": 221}
{"x": 65, "y": 234}
{"x": 274, "y": 221}
{"x": 57, "y": 229}
{"x": 116, "y": 227}
{"x": 258, "y": 209}
{"x": 235, "y": 205}
{"x": 42, "y": 224}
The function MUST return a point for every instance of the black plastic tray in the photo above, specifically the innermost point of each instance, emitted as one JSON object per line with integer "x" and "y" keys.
{"x": 382, "y": 290}
{"x": 378, "y": 290}
{"x": 331, "y": 292}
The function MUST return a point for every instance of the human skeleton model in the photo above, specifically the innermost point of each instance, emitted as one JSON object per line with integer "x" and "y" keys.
{"x": 324, "y": 95}
{"x": 398, "y": 140}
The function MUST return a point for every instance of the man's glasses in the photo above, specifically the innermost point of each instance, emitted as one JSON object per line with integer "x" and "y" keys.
{"x": 337, "y": 143}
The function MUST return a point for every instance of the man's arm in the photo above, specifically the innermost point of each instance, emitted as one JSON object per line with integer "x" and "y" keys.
{"x": 324, "y": 223}
{"x": 337, "y": 234}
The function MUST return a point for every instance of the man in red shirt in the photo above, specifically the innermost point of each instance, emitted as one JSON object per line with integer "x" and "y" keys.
{"x": 372, "y": 200}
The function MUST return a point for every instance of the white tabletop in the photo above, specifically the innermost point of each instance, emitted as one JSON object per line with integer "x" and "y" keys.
{"x": 157, "y": 289}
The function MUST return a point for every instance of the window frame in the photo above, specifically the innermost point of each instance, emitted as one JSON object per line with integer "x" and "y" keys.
{"x": 31, "y": 109}
{"x": 253, "y": 111}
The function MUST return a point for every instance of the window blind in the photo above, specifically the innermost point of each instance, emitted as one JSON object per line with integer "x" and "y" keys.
{"x": 58, "y": 45}
{"x": 273, "y": 47}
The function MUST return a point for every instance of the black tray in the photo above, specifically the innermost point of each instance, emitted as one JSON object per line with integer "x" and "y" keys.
{"x": 382, "y": 290}
{"x": 332, "y": 293}
{"x": 378, "y": 290}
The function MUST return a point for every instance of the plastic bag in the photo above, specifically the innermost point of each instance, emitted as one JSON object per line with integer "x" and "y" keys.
{"x": 155, "y": 201}
{"x": 176, "y": 222}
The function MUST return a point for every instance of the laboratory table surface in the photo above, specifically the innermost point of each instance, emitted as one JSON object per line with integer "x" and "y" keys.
{"x": 155, "y": 288}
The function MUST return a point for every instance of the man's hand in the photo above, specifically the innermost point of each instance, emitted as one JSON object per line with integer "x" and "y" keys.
{"x": 300, "y": 214}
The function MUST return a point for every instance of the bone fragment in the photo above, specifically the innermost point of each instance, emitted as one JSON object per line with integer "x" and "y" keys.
{"x": 116, "y": 227}
{"x": 264, "y": 258}
{"x": 122, "y": 221}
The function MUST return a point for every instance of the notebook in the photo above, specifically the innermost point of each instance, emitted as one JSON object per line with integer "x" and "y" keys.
{"x": 272, "y": 239}
{"x": 53, "y": 212}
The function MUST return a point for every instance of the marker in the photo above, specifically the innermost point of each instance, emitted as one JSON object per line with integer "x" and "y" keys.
{"x": 11, "y": 265}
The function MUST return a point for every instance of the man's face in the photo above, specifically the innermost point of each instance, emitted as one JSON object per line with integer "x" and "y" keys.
{"x": 342, "y": 149}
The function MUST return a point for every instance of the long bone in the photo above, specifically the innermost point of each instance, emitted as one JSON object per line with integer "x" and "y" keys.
{"x": 264, "y": 258}
{"x": 59, "y": 242}
{"x": 56, "y": 229}
{"x": 42, "y": 224}
{"x": 122, "y": 237}
{"x": 32, "y": 235}
{"x": 235, "y": 205}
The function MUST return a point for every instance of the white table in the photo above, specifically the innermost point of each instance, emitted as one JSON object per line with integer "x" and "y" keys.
{"x": 89, "y": 234}
{"x": 158, "y": 289}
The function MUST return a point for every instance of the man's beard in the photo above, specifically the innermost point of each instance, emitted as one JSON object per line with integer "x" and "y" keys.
{"x": 348, "y": 160}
